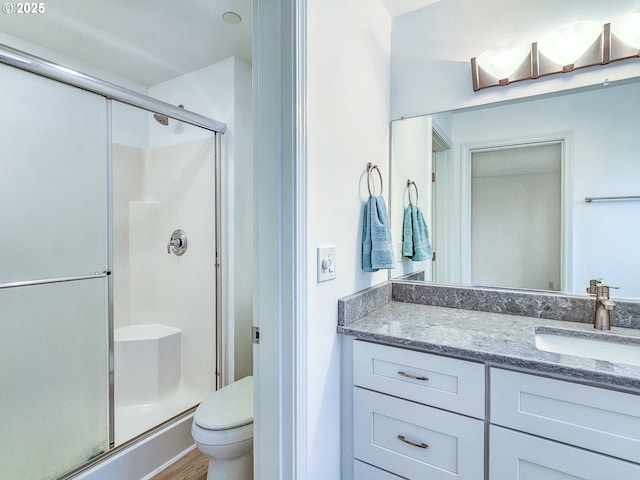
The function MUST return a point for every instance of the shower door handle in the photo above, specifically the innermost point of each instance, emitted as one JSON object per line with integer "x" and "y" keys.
{"x": 177, "y": 243}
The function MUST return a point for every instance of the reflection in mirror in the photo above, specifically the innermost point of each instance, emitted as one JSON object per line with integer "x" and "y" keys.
{"x": 508, "y": 209}
{"x": 516, "y": 216}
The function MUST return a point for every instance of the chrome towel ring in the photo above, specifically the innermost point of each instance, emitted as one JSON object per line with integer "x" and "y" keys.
{"x": 415, "y": 187}
{"x": 370, "y": 168}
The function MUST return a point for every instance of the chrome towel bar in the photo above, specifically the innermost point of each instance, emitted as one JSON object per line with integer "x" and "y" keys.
{"x": 629, "y": 197}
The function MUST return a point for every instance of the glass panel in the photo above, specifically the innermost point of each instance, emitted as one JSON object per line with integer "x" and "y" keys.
{"x": 52, "y": 178}
{"x": 54, "y": 393}
{"x": 54, "y": 389}
{"x": 164, "y": 304}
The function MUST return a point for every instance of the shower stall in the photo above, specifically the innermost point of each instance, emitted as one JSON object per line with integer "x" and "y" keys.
{"x": 109, "y": 266}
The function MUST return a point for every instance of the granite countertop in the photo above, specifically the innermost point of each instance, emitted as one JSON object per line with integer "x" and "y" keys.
{"x": 499, "y": 339}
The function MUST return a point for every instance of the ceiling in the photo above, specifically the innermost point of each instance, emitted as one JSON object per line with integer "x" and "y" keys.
{"x": 151, "y": 41}
{"x": 400, "y": 7}
{"x": 145, "y": 41}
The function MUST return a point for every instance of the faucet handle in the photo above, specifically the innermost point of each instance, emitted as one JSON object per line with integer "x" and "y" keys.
{"x": 602, "y": 291}
{"x": 593, "y": 285}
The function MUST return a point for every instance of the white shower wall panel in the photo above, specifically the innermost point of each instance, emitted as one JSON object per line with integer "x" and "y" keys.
{"x": 128, "y": 180}
{"x": 155, "y": 192}
{"x": 181, "y": 180}
{"x": 145, "y": 274}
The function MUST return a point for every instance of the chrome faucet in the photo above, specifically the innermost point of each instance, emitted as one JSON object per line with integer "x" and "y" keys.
{"x": 604, "y": 306}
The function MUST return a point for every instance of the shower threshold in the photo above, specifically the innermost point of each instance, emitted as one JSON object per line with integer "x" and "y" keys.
{"x": 134, "y": 420}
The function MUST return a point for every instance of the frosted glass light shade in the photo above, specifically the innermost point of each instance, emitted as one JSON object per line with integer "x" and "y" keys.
{"x": 568, "y": 43}
{"x": 501, "y": 62}
{"x": 627, "y": 29}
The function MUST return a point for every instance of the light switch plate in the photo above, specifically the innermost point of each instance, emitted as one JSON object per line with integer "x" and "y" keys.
{"x": 326, "y": 263}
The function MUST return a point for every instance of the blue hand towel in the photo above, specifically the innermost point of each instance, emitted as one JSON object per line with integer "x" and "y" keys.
{"x": 377, "y": 247}
{"x": 415, "y": 242}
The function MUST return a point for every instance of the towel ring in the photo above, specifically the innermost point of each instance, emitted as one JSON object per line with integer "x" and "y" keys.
{"x": 370, "y": 168}
{"x": 415, "y": 187}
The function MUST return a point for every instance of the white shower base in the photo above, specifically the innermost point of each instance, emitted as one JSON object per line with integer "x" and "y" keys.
{"x": 149, "y": 386}
{"x": 133, "y": 420}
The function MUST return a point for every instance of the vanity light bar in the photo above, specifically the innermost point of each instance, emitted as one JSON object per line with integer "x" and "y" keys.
{"x": 604, "y": 49}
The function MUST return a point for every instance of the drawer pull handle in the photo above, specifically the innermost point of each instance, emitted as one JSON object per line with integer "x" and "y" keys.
{"x": 413, "y": 444}
{"x": 414, "y": 377}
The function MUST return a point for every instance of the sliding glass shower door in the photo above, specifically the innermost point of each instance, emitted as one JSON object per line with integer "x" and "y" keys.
{"x": 54, "y": 371}
{"x": 164, "y": 268}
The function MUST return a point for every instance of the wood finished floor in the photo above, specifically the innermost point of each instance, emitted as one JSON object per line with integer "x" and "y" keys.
{"x": 192, "y": 466}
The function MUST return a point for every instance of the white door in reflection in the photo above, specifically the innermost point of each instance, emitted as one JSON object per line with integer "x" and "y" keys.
{"x": 516, "y": 216}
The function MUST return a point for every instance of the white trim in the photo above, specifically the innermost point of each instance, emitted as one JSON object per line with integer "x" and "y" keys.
{"x": 277, "y": 227}
{"x": 440, "y": 136}
{"x": 442, "y": 270}
{"x": 467, "y": 149}
{"x": 299, "y": 367}
{"x": 566, "y": 227}
{"x": 141, "y": 460}
{"x": 225, "y": 276}
{"x": 166, "y": 465}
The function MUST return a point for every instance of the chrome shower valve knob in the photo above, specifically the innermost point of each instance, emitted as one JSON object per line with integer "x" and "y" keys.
{"x": 177, "y": 243}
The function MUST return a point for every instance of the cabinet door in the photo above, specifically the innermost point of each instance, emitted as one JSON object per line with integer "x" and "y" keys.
{"x": 415, "y": 441}
{"x": 589, "y": 417}
{"x": 518, "y": 456}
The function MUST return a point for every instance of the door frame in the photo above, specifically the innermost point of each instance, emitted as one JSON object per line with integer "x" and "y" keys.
{"x": 566, "y": 208}
{"x": 279, "y": 299}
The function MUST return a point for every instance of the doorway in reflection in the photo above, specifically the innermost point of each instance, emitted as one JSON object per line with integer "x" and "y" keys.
{"x": 516, "y": 216}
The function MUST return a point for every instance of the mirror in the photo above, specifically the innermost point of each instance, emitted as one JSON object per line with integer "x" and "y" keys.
{"x": 508, "y": 205}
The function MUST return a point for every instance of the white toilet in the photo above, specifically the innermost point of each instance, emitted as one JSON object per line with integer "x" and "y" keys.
{"x": 223, "y": 430}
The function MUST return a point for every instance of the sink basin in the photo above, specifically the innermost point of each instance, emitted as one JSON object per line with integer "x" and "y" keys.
{"x": 582, "y": 343}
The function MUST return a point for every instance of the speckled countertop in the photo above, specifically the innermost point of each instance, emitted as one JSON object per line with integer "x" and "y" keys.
{"x": 496, "y": 338}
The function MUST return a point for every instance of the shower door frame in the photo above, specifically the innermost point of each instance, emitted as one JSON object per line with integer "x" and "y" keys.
{"x": 39, "y": 66}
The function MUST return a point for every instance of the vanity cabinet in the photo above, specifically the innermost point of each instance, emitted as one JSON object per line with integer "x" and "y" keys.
{"x": 567, "y": 415}
{"x": 416, "y": 415}
{"x": 419, "y": 415}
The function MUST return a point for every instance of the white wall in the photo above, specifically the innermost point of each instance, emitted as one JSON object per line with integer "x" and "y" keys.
{"x": 348, "y": 46}
{"x": 516, "y": 231}
{"x": 432, "y": 48}
{"x": 411, "y": 159}
{"x": 223, "y": 92}
{"x": 53, "y": 56}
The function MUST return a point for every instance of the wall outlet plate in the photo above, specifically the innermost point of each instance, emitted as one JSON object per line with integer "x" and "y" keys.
{"x": 326, "y": 263}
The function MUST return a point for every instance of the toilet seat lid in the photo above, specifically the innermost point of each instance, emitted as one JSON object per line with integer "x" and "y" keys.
{"x": 229, "y": 407}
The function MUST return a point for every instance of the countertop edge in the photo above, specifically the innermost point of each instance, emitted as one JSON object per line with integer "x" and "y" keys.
{"x": 536, "y": 367}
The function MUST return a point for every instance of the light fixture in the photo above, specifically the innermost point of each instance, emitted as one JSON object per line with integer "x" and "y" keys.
{"x": 567, "y": 48}
{"x": 625, "y": 36}
{"x": 504, "y": 64}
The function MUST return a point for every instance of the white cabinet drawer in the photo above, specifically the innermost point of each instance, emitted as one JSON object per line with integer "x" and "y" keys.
{"x": 443, "y": 445}
{"x": 448, "y": 383}
{"x": 363, "y": 471}
{"x": 594, "y": 418}
{"x": 518, "y": 456}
